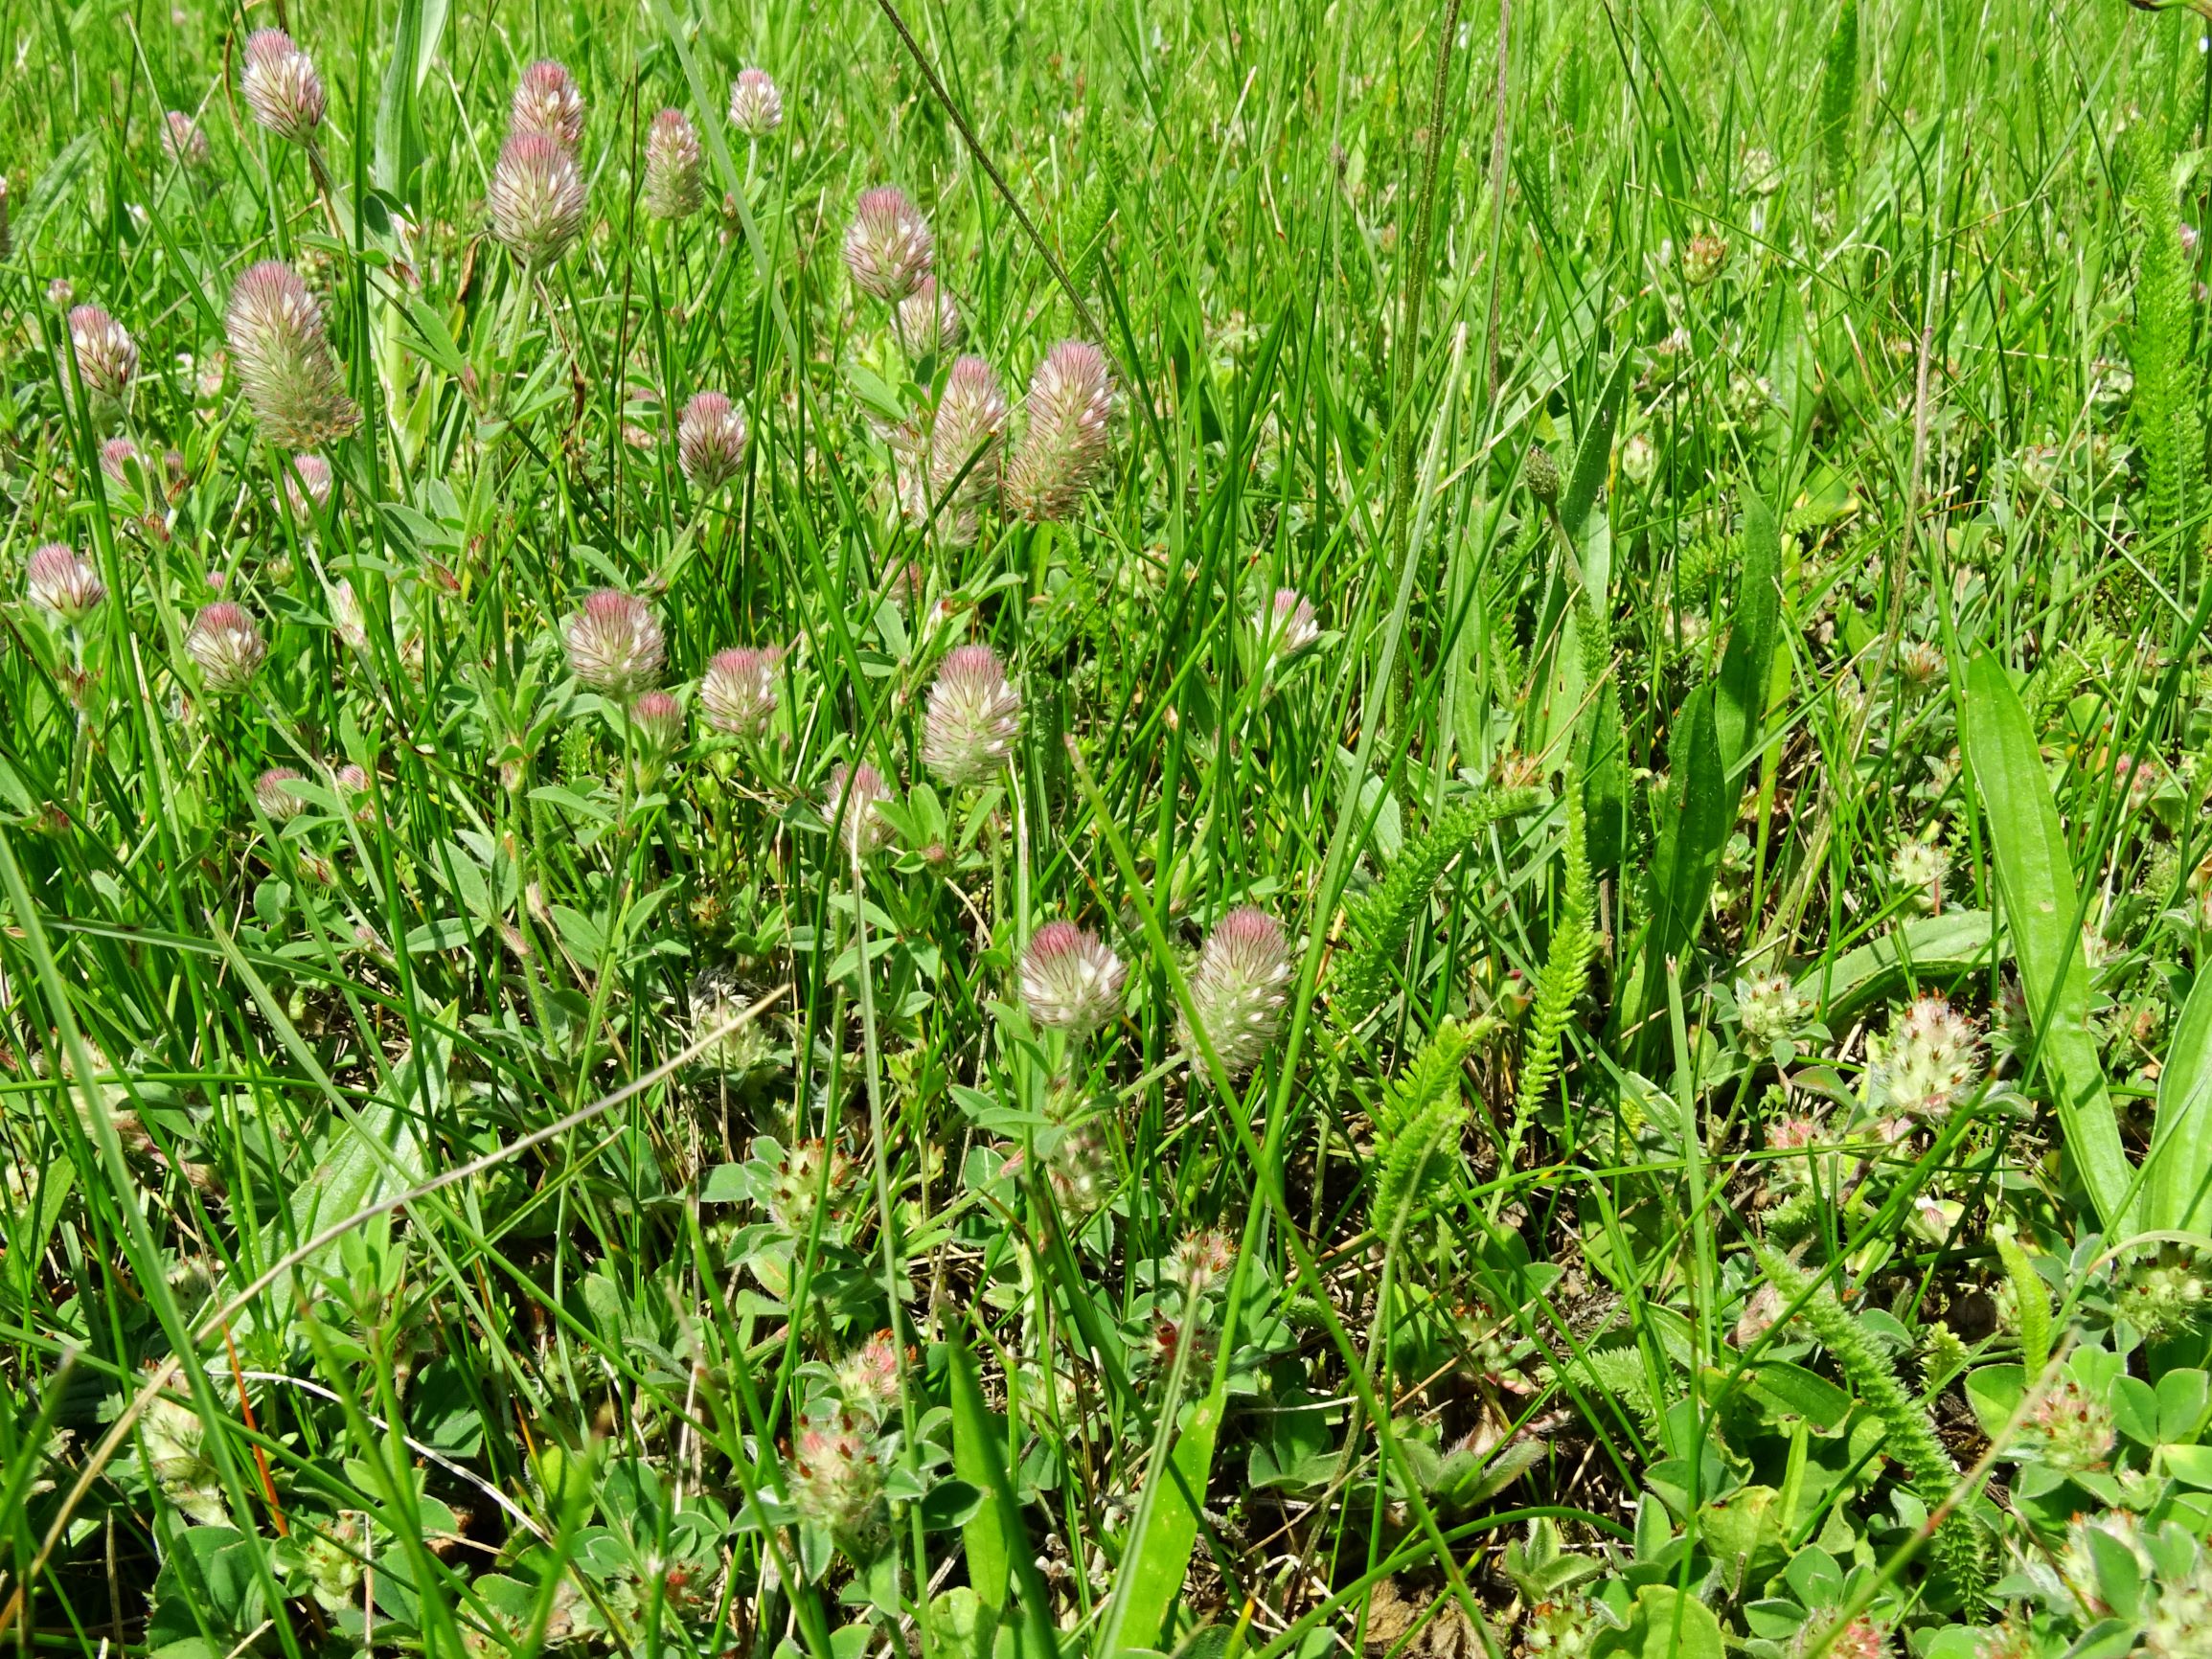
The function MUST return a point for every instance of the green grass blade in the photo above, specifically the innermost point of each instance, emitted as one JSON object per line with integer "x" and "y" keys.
{"x": 997, "y": 1538}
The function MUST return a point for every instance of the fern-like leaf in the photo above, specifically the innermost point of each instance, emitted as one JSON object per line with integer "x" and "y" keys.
{"x": 2165, "y": 403}
{"x": 1419, "y": 1113}
{"x": 1560, "y": 987}
{"x": 1378, "y": 925}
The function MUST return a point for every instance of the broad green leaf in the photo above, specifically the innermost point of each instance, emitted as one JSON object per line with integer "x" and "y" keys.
{"x": 1929, "y": 947}
{"x": 1667, "y": 1625}
{"x": 397, "y": 142}
{"x": 981, "y": 1461}
{"x": 2032, "y": 1299}
{"x": 2177, "y": 1188}
{"x": 2036, "y": 880}
{"x": 1158, "y": 1561}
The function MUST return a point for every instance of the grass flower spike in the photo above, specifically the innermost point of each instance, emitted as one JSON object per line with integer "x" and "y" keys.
{"x": 1071, "y": 981}
{"x": 227, "y": 646}
{"x": 1239, "y": 988}
{"x": 546, "y": 102}
{"x": 739, "y": 690}
{"x": 674, "y": 169}
{"x": 615, "y": 645}
{"x": 106, "y": 355}
{"x": 537, "y": 200}
{"x": 974, "y": 717}
{"x": 281, "y": 86}
{"x": 1064, "y": 444}
{"x": 888, "y": 248}
{"x": 284, "y": 359}
{"x": 711, "y": 441}
{"x": 756, "y": 106}
{"x": 58, "y": 582}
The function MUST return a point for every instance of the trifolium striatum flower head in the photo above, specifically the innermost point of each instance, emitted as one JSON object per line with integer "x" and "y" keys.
{"x": 1239, "y": 989}
{"x": 674, "y": 166}
{"x": 711, "y": 441}
{"x": 1063, "y": 445}
{"x": 183, "y": 140}
{"x": 537, "y": 200}
{"x": 1931, "y": 1057}
{"x": 58, "y": 582}
{"x": 275, "y": 330}
{"x": 756, "y": 106}
{"x": 852, "y": 803}
{"x": 964, "y": 447}
{"x": 1287, "y": 623}
{"x": 837, "y": 1480}
{"x": 1917, "y": 868}
{"x": 888, "y": 248}
{"x": 274, "y": 793}
{"x": 739, "y": 690}
{"x": 227, "y": 646}
{"x": 973, "y": 718}
{"x": 1071, "y": 980}
{"x": 927, "y": 320}
{"x": 656, "y": 727}
{"x": 614, "y": 643}
{"x": 281, "y": 86}
{"x": 546, "y": 100}
{"x": 1768, "y": 1010}
{"x": 307, "y": 484}
{"x": 106, "y": 355}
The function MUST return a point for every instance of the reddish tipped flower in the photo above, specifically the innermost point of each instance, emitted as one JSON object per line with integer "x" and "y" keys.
{"x": 868, "y": 1377}
{"x": 306, "y": 483}
{"x": 546, "y": 100}
{"x": 836, "y": 1482}
{"x": 964, "y": 445}
{"x": 850, "y": 804}
{"x": 281, "y": 86}
{"x": 183, "y": 140}
{"x": 674, "y": 169}
{"x": 279, "y": 801}
{"x": 284, "y": 359}
{"x": 1063, "y": 448}
{"x": 656, "y": 721}
{"x": 106, "y": 355}
{"x": 756, "y": 106}
{"x": 974, "y": 716}
{"x": 1288, "y": 621}
{"x": 227, "y": 647}
{"x": 116, "y": 457}
{"x": 1239, "y": 988}
{"x": 928, "y": 320}
{"x": 739, "y": 690}
{"x": 1071, "y": 980}
{"x": 711, "y": 441}
{"x": 888, "y": 248}
{"x": 536, "y": 198}
{"x": 57, "y": 580}
{"x": 614, "y": 643}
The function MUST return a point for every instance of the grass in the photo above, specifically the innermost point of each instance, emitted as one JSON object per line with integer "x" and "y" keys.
{"x": 1708, "y": 1150}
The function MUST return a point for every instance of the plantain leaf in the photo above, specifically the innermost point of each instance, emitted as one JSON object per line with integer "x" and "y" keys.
{"x": 995, "y": 1537}
{"x": 2177, "y": 1190}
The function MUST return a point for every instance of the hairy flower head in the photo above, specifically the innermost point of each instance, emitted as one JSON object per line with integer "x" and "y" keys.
{"x": 888, "y": 248}
{"x": 963, "y": 446}
{"x": 1071, "y": 980}
{"x": 1064, "y": 442}
{"x": 739, "y": 690}
{"x": 536, "y": 198}
{"x": 974, "y": 717}
{"x": 546, "y": 100}
{"x": 275, "y": 330}
{"x": 852, "y": 803}
{"x": 106, "y": 355}
{"x": 614, "y": 643}
{"x": 57, "y": 581}
{"x": 756, "y": 106}
{"x": 227, "y": 647}
{"x": 183, "y": 140}
{"x": 307, "y": 484}
{"x": 1931, "y": 1057}
{"x": 277, "y": 800}
{"x": 928, "y": 320}
{"x": 281, "y": 86}
{"x": 1239, "y": 989}
{"x": 674, "y": 166}
{"x": 711, "y": 441}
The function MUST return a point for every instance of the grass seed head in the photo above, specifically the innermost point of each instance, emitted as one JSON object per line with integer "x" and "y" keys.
{"x": 57, "y": 581}
{"x": 711, "y": 441}
{"x": 674, "y": 166}
{"x": 537, "y": 200}
{"x": 275, "y": 330}
{"x": 281, "y": 86}
{"x": 1064, "y": 444}
{"x": 756, "y": 106}
{"x": 546, "y": 102}
{"x": 1071, "y": 980}
{"x": 614, "y": 643}
{"x": 888, "y": 248}
{"x": 973, "y": 718}
{"x": 227, "y": 646}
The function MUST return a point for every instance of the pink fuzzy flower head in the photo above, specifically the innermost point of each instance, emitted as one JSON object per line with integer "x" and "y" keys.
{"x": 739, "y": 690}
{"x": 868, "y": 1378}
{"x": 277, "y": 800}
{"x": 227, "y": 646}
{"x": 546, "y": 100}
{"x": 106, "y": 355}
{"x": 118, "y": 458}
{"x": 711, "y": 441}
{"x": 1239, "y": 987}
{"x": 837, "y": 1480}
{"x": 888, "y": 248}
{"x": 307, "y": 484}
{"x": 974, "y": 717}
{"x": 183, "y": 140}
{"x": 281, "y": 86}
{"x": 656, "y": 721}
{"x": 963, "y": 446}
{"x": 1931, "y": 1057}
{"x": 927, "y": 320}
{"x": 1064, "y": 445}
{"x": 1290, "y": 623}
{"x": 1071, "y": 980}
{"x": 1201, "y": 1261}
{"x": 275, "y": 330}
{"x": 57, "y": 581}
{"x": 615, "y": 644}
{"x": 537, "y": 200}
{"x": 674, "y": 166}
{"x": 756, "y": 106}
{"x": 851, "y": 803}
